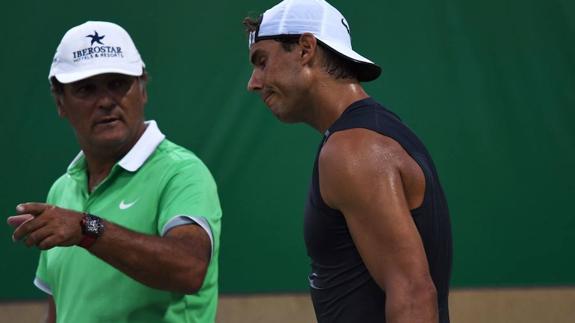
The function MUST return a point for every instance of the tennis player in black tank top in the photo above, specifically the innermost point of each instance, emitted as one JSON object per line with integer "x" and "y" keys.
{"x": 376, "y": 222}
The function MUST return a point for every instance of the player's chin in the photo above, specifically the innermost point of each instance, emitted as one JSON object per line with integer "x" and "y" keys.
{"x": 289, "y": 121}
{"x": 284, "y": 116}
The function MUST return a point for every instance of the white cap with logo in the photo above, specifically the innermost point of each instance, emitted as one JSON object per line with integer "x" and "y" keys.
{"x": 92, "y": 48}
{"x": 326, "y": 23}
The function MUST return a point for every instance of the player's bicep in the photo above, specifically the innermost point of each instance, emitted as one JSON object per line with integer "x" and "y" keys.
{"x": 368, "y": 190}
{"x": 389, "y": 244}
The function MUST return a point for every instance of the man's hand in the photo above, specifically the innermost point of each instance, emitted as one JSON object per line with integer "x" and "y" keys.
{"x": 46, "y": 226}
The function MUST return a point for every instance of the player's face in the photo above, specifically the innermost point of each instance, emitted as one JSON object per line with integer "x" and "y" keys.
{"x": 278, "y": 77}
{"x": 106, "y": 111}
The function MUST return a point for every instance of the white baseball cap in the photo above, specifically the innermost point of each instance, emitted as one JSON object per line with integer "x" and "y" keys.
{"x": 92, "y": 48}
{"x": 326, "y": 23}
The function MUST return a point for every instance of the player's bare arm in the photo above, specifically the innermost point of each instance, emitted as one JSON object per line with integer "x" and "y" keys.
{"x": 375, "y": 183}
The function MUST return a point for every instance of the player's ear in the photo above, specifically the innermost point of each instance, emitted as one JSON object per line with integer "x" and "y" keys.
{"x": 308, "y": 47}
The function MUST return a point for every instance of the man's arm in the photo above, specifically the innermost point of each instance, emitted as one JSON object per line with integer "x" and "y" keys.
{"x": 175, "y": 262}
{"x": 51, "y": 313}
{"x": 373, "y": 181}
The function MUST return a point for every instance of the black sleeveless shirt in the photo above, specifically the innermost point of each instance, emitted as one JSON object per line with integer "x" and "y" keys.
{"x": 342, "y": 290}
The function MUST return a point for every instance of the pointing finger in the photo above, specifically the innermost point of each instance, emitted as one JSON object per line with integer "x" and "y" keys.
{"x": 17, "y": 220}
{"x": 24, "y": 229}
{"x": 32, "y": 208}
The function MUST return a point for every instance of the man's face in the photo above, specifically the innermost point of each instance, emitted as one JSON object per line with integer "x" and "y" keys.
{"x": 278, "y": 77}
{"x": 106, "y": 111}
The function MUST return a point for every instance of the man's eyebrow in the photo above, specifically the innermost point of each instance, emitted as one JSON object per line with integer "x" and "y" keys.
{"x": 81, "y": 82}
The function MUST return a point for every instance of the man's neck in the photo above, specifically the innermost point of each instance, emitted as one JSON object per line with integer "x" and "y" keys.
{"x": 99, "y": 163}
{"x": 330, "y": 99}
{"x": 100, "y": 160}
{"x": 97, "y": 172}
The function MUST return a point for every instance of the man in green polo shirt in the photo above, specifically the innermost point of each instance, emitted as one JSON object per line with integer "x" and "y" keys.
{"x": 131, "y": 232}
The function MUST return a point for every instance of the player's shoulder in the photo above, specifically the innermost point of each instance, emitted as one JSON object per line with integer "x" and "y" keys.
{"x": 360, "y": 145}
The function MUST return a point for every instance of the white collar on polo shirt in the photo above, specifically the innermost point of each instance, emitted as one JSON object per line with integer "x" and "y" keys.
{"x": 141, "y": 151}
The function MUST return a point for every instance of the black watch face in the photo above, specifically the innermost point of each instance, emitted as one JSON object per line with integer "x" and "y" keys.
{"x": 93, "y": 226}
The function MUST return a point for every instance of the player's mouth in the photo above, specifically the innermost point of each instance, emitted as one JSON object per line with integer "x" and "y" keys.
{"x": 266, "y": 97}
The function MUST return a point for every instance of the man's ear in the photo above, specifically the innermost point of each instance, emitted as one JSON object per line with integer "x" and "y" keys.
{"x": 308, "y": 48}
{"x": 143, "y": 86}
{"x": 58, "y": 97}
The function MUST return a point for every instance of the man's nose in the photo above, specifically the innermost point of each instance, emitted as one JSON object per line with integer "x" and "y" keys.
{"x": 255, "y": 83}
{"x": 106, "y": 99}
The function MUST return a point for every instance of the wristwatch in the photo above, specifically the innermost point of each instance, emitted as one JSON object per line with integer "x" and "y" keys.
{"x": 92, "y": 229}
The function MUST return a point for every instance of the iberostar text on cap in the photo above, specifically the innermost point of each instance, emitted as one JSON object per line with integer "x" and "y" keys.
{"x": 92, "y": 48}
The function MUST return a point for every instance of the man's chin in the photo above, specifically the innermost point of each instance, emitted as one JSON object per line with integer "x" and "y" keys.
{"x": 286, "y": 118}
{"x": 109, "y": 143}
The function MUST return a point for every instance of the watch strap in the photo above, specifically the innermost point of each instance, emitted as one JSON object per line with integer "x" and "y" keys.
{"x": 87, "y": 241}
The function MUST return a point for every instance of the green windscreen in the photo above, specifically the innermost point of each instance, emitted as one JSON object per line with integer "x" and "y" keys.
{"x": 489, "y": 86}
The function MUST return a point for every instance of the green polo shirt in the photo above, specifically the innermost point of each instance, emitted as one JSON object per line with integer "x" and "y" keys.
{"x": 156, "y": 186}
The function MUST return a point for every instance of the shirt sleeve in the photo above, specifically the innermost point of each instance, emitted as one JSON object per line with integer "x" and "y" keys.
{"x": 190, "y": 196}
{"x": 41, "y": 280}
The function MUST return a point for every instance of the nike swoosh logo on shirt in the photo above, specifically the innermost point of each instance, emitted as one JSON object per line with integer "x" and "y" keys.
{"x": 124, "y": 206}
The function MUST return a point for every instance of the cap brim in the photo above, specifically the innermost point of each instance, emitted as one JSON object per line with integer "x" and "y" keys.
{"x": 80, "y": 75}
{"x": 366, "y": 69}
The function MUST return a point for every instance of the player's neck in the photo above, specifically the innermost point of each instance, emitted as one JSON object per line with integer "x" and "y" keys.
{"x": 331, "y": 99}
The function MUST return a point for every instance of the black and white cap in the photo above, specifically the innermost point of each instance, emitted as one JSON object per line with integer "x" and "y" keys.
{"x": 326, "y": 23}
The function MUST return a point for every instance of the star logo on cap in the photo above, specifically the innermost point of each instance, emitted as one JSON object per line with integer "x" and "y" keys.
{"x": 96, "y": 38}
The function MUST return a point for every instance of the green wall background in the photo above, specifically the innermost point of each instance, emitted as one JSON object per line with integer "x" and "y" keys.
{"x": 489, "y": 86}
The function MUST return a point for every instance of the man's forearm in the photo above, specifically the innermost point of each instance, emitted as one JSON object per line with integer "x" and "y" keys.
{"x": 176, "y": 262}
{"x": 418, "y": 305}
